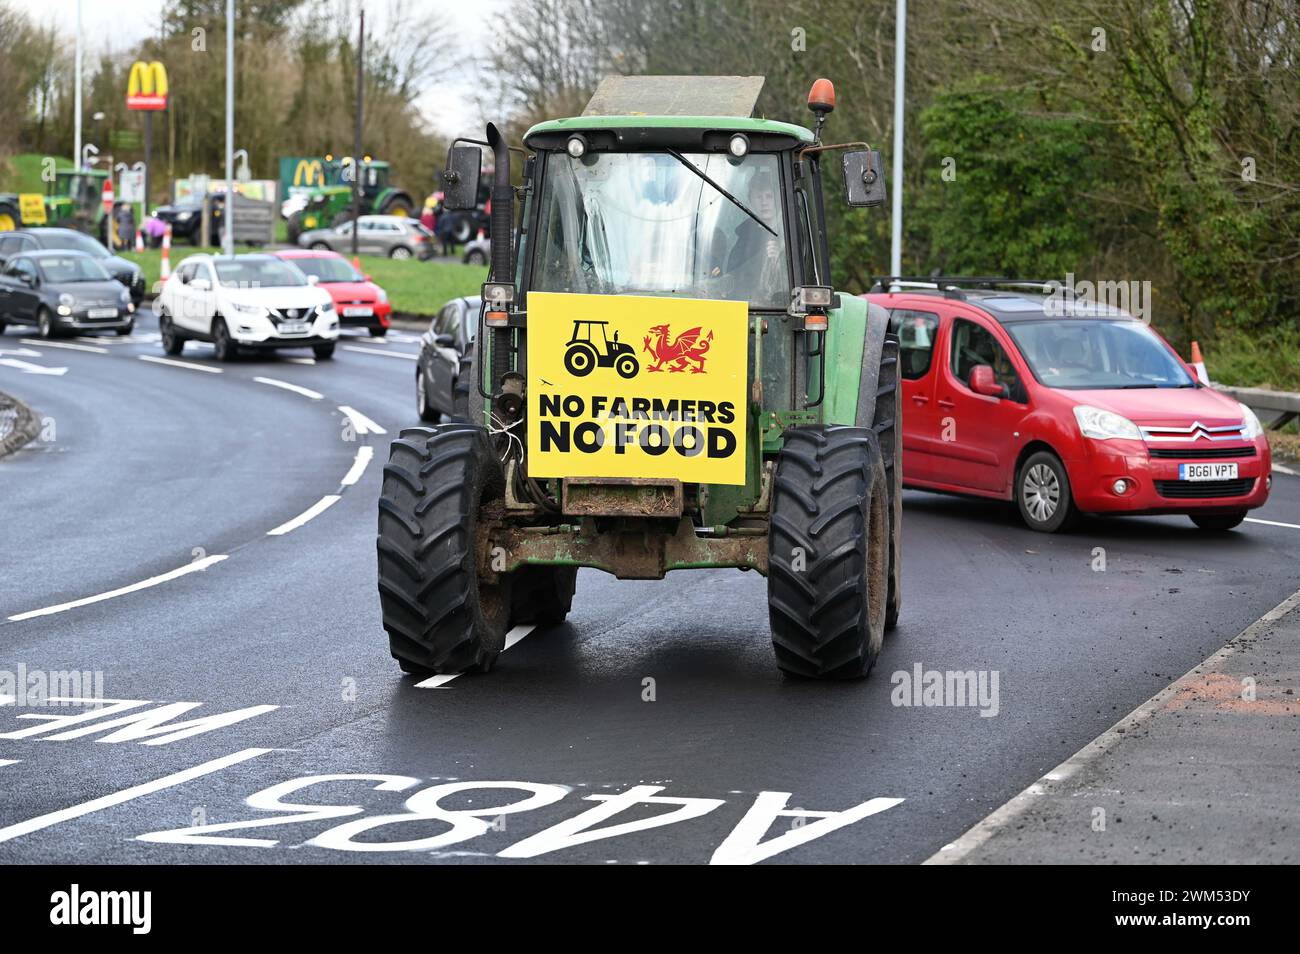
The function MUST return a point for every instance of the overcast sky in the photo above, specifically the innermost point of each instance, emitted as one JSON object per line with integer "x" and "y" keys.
{"x": 115, "y": 25}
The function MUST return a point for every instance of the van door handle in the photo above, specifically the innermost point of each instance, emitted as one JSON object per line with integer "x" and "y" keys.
{"x": 944, "y": 402}
{"x": 920, "y": 399}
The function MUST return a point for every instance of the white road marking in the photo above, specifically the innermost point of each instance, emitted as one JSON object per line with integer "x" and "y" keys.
{"x": 127, "y": 794}
{"x": 4, "y": 762}
{"x": 361, "y": 423}
{"x": 178, "y": 364}
{"x": 512, "y": 637}
{"x": 21, "y": 352}
{"x": 122, "y": 591}
{"x": 1290, "y": 472}
{"x": 301, "y": 360}
{"x": 63, "y": 344}
{"x": 364, "y": 454}
{"x": 28, "y": 368}
{"x": 296, "y": 389}
{"x": 315, "y": 510}
{"x": 386, "y": 354}
{"x": 1273, "y": 523}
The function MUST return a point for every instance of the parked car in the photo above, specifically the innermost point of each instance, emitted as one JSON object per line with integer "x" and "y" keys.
{"x": 24, "y": 240}
{"x": 392, "y": 235}
{"x": 63, "y": 291}
{"x": 442, "y": 375}
{"x": 185, "y": 219}
{"x": 254, "y": 302}
{"x": 478, "y": 252}
{"x": 359, "y": 301}
{"x": 1065, "y": 410}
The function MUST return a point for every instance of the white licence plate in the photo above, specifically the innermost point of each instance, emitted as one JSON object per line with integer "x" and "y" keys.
{"x": 293, "y": 327}
{"x": 1207, "y": 471}
{"x": 101, "y": 313}
{"x": 358, "y": 312}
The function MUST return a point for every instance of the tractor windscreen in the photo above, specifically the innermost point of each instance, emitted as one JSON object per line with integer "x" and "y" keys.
{"x": 645, "y": 224}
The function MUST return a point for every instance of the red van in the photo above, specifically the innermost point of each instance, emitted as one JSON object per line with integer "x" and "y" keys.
{"x": 1065, "y": 410}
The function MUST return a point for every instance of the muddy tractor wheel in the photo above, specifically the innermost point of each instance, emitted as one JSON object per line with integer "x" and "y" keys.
{"x": 828, "y": 576}
{"x": 542, "y": 594}
{"x": 440, "y": 615}
{"x": 889, "y": 431}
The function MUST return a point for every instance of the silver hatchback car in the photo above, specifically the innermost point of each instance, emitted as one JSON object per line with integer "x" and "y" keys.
{"x": 393, "y": 235}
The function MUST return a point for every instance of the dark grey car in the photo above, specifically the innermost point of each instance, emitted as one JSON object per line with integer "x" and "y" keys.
{"x": 62, "y": 292}
{"x": 442, "y": 375}
{"x": 70, "y": 240}
{"x": 393, "y": 235}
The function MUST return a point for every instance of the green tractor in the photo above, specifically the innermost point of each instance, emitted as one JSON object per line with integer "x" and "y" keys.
{"x": 758, "y": 430}
{"x": 73, "y": 199}
{"x": 330, "y": 205}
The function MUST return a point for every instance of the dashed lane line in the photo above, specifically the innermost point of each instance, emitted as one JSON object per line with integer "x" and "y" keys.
{"x": 123, "y": 590}
{"x": 67, "y": 345}
{"x": 386, "y": 354}
{"x": 1273, "y": 523}
{"x": 296, "y": 389}
{"x": 364, "y": 455}
{"x": 512, "y": 637}
{"x": 308, "y": 361}
{"x": 178, "y": 364}
{"x": 4, "y": 762}
{"x": 50, "y": 819}
{"x": 315, "y": 510}
{"x": 360, "y": 423}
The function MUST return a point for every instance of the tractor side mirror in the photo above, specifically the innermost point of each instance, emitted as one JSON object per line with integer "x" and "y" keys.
{"x": 460, "y": 178}
{"x": 983, "y": 382}
{"x": 864, "y": 178}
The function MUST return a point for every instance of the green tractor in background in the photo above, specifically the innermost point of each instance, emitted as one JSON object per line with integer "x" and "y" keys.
{"x": 330, "y": 204}
{"x": 759, "y": 428}
{"x": 74, "y": 199}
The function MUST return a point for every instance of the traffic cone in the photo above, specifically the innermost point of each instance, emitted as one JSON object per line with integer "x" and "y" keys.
{"x": 139, "y": 241}
{"x": 1198, "y": 363}
{"x": 482, "y": 234}
{"x": 356, "y": 262}
{"x": 165, "y": 270}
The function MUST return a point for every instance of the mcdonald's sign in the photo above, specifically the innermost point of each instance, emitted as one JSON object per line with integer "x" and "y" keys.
{"x": 309, "y": 172}
{"x": 146, "y": 88}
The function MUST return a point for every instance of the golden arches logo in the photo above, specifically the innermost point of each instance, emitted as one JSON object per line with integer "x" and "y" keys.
{"x": 146, "y": 86}
{"x": 309, "y": 172}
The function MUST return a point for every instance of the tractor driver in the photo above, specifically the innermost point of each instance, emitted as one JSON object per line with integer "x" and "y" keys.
{"x": 752, "y": 266}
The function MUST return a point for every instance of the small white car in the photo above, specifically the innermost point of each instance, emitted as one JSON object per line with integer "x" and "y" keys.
{"x": 253, "y": 302}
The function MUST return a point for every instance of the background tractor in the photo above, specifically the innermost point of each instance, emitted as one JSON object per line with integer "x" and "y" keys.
{"x": 74, "y": 199}
{"x": 635, "y": 212}
{"x": 331, "y": 204}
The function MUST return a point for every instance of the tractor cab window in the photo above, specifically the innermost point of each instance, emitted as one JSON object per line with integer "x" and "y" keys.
{"x": 647, "y": 224}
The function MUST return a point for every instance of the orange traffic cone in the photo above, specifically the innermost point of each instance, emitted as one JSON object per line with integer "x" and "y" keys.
{"x": 139, "y": 241}
{"x": 165, "y": 271}
{"x": 1198, "y": 363}
{"x": 356, "y": 262}
{"x": 482, "y": 234}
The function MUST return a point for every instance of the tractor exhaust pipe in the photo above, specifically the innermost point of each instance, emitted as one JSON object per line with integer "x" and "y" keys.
{"x": 503, "y": 209}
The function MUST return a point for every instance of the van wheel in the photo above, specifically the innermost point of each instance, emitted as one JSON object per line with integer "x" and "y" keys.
{"x": 223, "y": 345}
{"x": 1217, "y": 522}
{"x": 441, "y": 616}
{"x": 828, "y": 567}
{"x": 1043, "y": 494}
{"x": 172, "y": 343}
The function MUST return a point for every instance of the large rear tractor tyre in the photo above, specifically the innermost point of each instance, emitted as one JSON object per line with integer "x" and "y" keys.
{"x": 440, "y": 616}
{"x": 887, "y": 424}
{"x": 828, "y": 576}
{"x": 543, "y": 594}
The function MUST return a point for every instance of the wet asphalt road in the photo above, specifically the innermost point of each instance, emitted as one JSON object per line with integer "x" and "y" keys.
{"x": 653, "y": 690}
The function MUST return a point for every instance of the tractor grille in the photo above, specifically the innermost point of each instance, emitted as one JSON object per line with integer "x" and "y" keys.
{"x": 1187, "y": 489}
{"x": 1203, "y": 453}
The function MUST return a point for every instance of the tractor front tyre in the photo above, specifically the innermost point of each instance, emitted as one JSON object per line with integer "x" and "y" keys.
{"x": 542, "y": 594}
{"x": 889, "y": 431}
{"x": 579, "y": 359}
{"x": 828, "y": 574}
{"x": 441, "y": 617}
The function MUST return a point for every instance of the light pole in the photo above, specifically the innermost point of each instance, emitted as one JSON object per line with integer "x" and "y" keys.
{"x": 228, "y": 233}
{"x": 900, "y": 57}
{"x": 76, "y": 95}
{"x": 356, "y": 133}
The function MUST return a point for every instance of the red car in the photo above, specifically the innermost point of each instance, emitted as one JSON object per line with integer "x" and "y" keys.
{"x": 1085, "y": 411}
{"x": 359, "y": 301}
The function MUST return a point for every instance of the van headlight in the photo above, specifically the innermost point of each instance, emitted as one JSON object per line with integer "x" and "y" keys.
{"x": 1103, "y": 425}
{"x": 1250, "y": 426}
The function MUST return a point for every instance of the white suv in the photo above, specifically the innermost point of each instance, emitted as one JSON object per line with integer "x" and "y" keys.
{"x": 244, "y": 301}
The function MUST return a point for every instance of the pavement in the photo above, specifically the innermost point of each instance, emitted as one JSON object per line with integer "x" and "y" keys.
{"x": 199, "y": 538}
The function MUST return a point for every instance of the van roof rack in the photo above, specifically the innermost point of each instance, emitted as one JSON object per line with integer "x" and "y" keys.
{"x": 952, "y": 285}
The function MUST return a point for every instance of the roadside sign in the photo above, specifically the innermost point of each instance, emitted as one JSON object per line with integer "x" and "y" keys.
{"x": 31, "y": 206}
{"x": 131, "y": 185}
{"x": 146, "y": 87}
{"x": 635, "y": 386}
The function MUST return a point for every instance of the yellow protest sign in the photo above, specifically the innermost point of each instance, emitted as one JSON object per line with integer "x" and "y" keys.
{"x": 634, "y": 386}
{"x": 31, "y": 206}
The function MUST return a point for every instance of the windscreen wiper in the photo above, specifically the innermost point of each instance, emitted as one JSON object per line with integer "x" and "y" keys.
{"x": 734, "y": 201}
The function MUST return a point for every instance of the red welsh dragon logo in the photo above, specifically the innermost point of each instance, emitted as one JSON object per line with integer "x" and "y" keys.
{"x": 687, "y": 349}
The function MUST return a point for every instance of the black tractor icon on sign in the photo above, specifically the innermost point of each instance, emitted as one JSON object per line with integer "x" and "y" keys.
{"x": 583, "y": 352}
